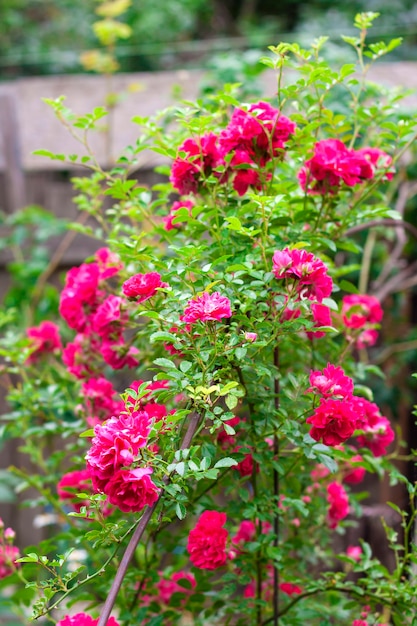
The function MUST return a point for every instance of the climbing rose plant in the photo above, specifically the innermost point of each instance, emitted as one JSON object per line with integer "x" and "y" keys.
{"x": 200, "y": 411}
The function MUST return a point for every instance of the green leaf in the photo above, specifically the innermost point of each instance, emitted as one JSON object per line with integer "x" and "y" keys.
{"x": 87, "y": 433}
{"x": 240, "y": 353}
{"x": 180, "y": 510}
{"x": 226, "y": 462}
{"x": 231, "y": 401}
{"x": 162, "y": 362}
{"x": 180, "y": 468}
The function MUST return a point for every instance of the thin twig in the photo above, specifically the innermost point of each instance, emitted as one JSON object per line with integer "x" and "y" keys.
{"x": 386, "y": 221}
{"x": 137, "y": 535}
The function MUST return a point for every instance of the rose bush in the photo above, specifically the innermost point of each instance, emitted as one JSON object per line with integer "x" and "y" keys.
{"x": 241, "y": 412}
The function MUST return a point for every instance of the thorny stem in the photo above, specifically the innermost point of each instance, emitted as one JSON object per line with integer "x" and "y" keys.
{"x": 137, "y": 535}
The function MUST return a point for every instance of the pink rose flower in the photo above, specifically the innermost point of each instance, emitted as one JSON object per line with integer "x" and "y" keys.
{"x": 141, "y": 287}
{"x": 244, "y": 177}
{"x": 207, "y": 307}
{"x": 354, "y": 552}
{"x": 353, "y": 473}
{"x": 166, "y": 588}
{"x": 338, "y": 504}
{"x": 261, "y": 132}
{"x": 377, "y": 436}
{"x": 8, "y": 556}
{"x": 307, "y": 273}
{"x": 118, "y": 354}
{"x": 110, "y": 318}
{"x": 321, "y": 317}
{"x": 44, "y": 339}
{"x": 360, "y": 309}
{"x": 77, "y": 481}
{"x": 131, "y": 489}
{"x": 108, "y": 263}
{"x": 379, "y": 160}
{"x": 332, "y": 381}
{"x": 100, "y": 400}
{"x": 207, "y": 541}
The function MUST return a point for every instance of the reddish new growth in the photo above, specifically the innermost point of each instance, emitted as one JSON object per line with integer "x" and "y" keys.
{"x": 305, "y": 275}
{"x": 334, "y": 165}
{"x": 207, "y": 307}
{"x": 207, "y": 541}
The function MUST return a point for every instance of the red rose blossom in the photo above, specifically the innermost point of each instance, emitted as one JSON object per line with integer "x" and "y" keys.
{"x": 207, "y": 541}
{"x": 332, "y": 165}
{"x": 196, "y": 159}
{"x": 333, "y": 421}
{"x": 290, "y": 589}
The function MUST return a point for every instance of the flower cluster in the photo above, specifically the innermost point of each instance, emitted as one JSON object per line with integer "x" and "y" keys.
{"x": 98, "y": 318}
{"x": 207, "y": 541}
{"x": 305, "y": 275}
{"x": 113, "y": 464}
{"x": 333, "y": 165}
{"x": 252, "y": 138}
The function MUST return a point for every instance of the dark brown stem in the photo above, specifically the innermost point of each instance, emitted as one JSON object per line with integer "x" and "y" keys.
{"x": 276, "y": 485}
{"x": 137, "y": 535}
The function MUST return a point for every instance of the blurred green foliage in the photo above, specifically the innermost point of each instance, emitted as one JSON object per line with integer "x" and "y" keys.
{"x": 48, "y": 36}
